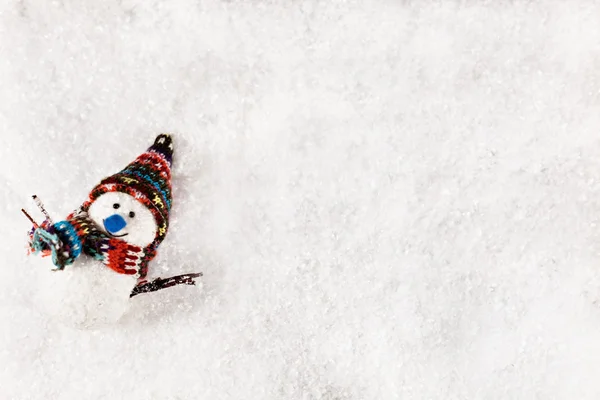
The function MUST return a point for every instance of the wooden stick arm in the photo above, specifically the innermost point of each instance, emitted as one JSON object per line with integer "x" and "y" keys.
{"x": 163, "y": 283}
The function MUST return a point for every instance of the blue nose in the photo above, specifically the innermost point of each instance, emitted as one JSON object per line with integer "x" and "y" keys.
{"x": 114, "y": 223}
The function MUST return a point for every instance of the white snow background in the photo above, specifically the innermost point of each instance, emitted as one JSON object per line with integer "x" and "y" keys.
{"x": 389, "y": 200}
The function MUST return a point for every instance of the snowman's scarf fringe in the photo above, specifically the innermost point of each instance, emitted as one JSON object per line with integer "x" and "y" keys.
{"x": 43, "y": 239}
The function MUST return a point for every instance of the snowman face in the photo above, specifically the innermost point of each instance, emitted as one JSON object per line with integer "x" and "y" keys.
{"x": 122, "y": 216}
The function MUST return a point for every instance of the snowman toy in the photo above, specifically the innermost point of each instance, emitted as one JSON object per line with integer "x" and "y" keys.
{"x": 119, "y": 226}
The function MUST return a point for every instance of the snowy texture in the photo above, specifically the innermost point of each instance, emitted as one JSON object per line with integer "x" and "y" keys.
{"x": 389, "y": 200}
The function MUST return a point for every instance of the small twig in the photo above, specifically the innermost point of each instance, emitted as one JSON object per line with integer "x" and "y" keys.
{"x": 35, "y": 224}
{"x": 38, "y": 202}
{"x": 160, "y": 283}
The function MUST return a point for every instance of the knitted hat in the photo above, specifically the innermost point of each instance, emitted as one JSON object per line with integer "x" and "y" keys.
{"x": 148, "y": 180}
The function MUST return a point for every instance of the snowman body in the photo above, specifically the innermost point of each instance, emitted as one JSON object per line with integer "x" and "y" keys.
{"x": 87, "y": 294}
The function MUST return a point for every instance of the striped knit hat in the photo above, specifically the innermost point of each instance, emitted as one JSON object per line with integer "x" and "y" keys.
{"x": 147, "y": 179}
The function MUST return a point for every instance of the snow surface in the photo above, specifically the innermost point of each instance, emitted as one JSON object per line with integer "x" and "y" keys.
{"x": 389, "y": 200}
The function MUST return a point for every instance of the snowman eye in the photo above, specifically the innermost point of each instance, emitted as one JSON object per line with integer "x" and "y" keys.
{"x": 116, "y": 205}
{"x": 131, "y": 214}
